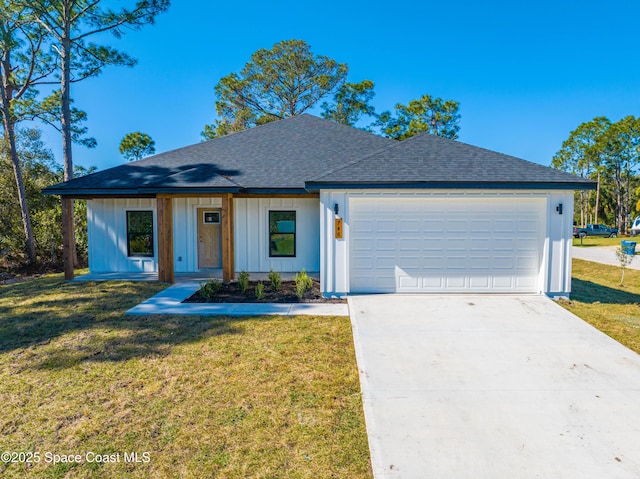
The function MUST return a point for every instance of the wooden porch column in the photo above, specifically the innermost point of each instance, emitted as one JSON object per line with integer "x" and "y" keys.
{"x": 165, "y": 239}
{"x": 67, "y": 237}
{"x": 228, "y": 240}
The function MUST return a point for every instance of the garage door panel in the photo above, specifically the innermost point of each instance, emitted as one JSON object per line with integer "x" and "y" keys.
{"x": 409, "y": 264}
{"x": 410, "y": 244}
{"x": 456, "y": 227}
{"x": 503, "y": 244}
{"x": 524, "y": 283}
{"x": 455, "y": 281}
{"x": 503, "y": 262}
{"x": 456, "y": 262}
{"x": 451, "y": 245}
{"x": 363, "y": 262}
{"x": 480, "y": 226}
{"x": 480, "y": 282}
{"x": 409, "y": 226}
{"x": 479, "y": 262}
{"x": 362, "y": 244}
{"x": 433, "y": 225}
{"x": 432, "y": 282}
{"x": 386, "y": 226}
{"x": 504, "y": 226}
{"x": 455, "y": 244}
{"x": 385, "y": 262}
{"x": 382, "y": 244}
{"x": 502, "y": 282}
{"x": 408, "y": 282}
{"x": 436, "y": 263}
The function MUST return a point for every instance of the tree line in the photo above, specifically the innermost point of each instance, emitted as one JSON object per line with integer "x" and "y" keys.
{"x": 47, "y": 42}
{"x": 50, "y": 43}
{"x": 608, "y": 153}
{"x": 289, "y": 79}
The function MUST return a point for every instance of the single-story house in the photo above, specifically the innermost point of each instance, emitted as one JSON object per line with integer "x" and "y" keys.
{"x": 369, "y": 214}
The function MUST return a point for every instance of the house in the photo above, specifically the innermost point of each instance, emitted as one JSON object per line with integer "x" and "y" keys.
{"x": 369, "y": 214}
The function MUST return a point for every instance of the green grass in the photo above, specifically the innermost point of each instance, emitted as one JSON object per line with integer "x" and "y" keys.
{"x": 265, "y": 397}
{"x": 598, "y": 298}
{"x": 600, "y": 241}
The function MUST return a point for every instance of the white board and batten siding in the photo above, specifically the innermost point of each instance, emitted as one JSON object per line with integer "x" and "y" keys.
{"x": 252, "y": 234}
{"x": 447, "y": 242}
{"x": 108, "y": 234}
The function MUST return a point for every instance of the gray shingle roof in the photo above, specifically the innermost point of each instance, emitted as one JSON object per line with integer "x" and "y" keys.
{"x": 431, "y": 161}
{"x": 277, "y": 156}
{"x": 306, "y": 152}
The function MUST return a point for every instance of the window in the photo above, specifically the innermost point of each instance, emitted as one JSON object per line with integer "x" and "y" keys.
{"x": 140, "y": 233}
{"x": 211, "y": 217}
{"x": 282, "y": 233}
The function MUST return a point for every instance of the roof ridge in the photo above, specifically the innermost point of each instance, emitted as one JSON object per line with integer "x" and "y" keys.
{"x": 353, "y": 162}
{"x": 445, "y": 139}
{"x": 381, "y": 150}
{"x": 228, "y": 135}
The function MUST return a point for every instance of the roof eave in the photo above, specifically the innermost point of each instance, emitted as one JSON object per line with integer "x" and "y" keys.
{"x": 315, "y": 186}
{"x": 131, "y": 192}
{"x": 152, "y": 192}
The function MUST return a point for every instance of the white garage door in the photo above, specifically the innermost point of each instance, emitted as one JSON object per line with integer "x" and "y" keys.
{"x": 446, "y": 245}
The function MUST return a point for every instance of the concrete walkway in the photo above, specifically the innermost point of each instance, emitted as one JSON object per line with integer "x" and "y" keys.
{"x": 602, "y": 254}
{"x": 170, "y": 300}
{"x": 493, "y": 387}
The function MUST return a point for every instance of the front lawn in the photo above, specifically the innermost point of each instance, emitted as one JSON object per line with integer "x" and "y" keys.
{"x": 598, "y": 298}
{"x": 265, "y": 397}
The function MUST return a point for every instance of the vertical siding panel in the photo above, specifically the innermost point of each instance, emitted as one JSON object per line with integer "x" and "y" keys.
{"x": 179, "y": 228}
{"x": 90, "y": 234}
{"x": 259, "y": 252}
{"x": 241, "y": 234}
{"x": 190, "y": 232}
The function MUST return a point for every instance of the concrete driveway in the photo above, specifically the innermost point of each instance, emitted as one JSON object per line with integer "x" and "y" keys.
{"x": 493, "y": 387}
{"x": 602, "y": 254}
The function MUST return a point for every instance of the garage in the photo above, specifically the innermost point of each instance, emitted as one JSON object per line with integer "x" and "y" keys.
{"x": 492, "y": 244}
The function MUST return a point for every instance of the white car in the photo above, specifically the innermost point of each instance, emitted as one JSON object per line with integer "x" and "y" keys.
{"x": 635, "y": 227}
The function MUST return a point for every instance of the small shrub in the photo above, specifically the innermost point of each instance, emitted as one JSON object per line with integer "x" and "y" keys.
{"x": 210, "y": 288}
{"x": 243, "y": 280}
{"x": 303, "y": 283}
{"x": 276, "y": 280}
{"x": 625, "y": 260}
{"x": 260, "y": 290}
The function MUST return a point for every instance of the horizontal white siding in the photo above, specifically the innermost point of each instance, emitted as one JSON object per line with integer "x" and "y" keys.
{"x": 107, "y": 230}
{"x": 252, "y": 234}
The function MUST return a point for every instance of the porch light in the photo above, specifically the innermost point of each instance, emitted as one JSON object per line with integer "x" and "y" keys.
{"x": 336, "y": 208}
{"x": 559, "y": 209}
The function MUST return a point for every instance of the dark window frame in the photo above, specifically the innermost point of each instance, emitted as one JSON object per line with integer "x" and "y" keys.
{"x": 132, "y": 233}
{"x": 294, "y": 234}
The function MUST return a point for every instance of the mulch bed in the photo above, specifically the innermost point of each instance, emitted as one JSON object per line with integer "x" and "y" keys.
{"x": 230, "y": 293}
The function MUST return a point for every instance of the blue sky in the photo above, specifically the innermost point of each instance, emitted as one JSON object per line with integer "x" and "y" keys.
{"x": 525, "y": 73}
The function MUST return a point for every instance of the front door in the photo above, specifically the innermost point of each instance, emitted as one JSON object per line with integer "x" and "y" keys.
{"x": 209, "y": 238}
